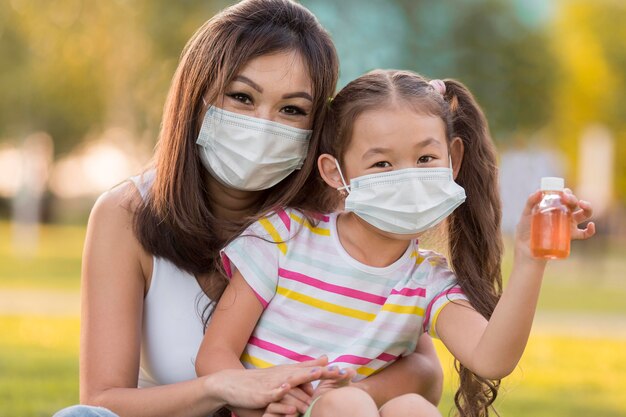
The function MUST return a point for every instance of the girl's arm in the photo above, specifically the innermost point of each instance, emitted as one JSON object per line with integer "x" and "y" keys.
{"x": 419, "y": 372}
{"x": 493, "y": 349}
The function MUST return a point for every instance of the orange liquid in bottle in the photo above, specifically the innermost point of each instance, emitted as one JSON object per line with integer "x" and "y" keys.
{"x": 550, "y": 228}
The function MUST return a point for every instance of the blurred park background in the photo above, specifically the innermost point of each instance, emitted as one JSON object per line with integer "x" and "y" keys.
{"x": 83, "y": 84}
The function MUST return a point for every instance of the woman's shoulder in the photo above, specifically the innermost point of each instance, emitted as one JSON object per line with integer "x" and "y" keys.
{"x": 120, "y": 202}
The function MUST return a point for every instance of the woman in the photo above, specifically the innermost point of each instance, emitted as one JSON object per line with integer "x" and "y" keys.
{"x": 258, "y": 70}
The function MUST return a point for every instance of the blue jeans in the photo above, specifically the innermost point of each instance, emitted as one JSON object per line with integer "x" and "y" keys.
{"x": 85, "y": 411}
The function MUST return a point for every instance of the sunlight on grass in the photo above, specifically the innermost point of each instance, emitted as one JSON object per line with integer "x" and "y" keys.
{"x": 557, "y": 376}
{"x": 38, "y": 365}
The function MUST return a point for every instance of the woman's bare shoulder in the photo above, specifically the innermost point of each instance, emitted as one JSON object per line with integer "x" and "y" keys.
{"x": 119, "y": 203}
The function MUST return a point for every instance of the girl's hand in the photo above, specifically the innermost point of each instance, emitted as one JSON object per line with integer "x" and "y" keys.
{"x": 344, "y": 379}
{"x": 581, "y": 212}
{"x": 256, "y": 388}
{"x": 299, "y": 399}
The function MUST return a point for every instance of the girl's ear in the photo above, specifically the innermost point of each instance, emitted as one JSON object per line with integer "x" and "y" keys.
{"x": 328, "y": 170}
{"x": 456, "y": 153}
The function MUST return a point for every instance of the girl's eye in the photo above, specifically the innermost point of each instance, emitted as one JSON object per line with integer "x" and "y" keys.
{"x": 293, "y": 111}
{"x": 381, "y": 164}
{"x": 241, "y": 97}
{"x": 425, "y": 159}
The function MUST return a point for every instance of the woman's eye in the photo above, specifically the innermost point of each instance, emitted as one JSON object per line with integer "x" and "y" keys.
{"x": 381, "y": 164}
{"x": 425, "y": 159}
{"x": 241, "y": 97}
{"x": 293, "y": 111}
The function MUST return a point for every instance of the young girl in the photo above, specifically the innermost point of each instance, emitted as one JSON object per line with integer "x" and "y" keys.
{"x": 355, "y": 285}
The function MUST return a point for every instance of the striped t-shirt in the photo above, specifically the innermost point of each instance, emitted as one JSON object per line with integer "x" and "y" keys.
{"x": 319, "y": 300}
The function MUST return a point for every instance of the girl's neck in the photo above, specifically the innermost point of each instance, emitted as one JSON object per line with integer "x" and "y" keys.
{"x": 230, "y": 204}
{"x": 367, "y": 244}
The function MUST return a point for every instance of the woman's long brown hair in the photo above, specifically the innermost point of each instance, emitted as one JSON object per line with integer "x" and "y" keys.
{"x": 176, "y": 221}
{"x": 474, "y": 236}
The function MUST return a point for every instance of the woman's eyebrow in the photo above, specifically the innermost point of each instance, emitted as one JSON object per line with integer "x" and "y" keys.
{"x": 301, "y": 94}
{"x": 246, "y": 80}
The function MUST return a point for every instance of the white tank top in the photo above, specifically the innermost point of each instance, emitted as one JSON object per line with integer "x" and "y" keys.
{"x": 172, "y": 318}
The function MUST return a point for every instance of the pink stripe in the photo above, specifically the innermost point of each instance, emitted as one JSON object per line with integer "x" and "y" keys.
{"x": 320, "y": 216}
{"x": 387, "y": 357}
{"x": 410, "y": 292}
{"x": 355, "y": 360}
{"x": 453, "y": 290}
{"x": 226, "y": 264}
{"x": 290, "y": 354}
{"x": 348, "y": 292}
{"x": 360, "y": 360}
{"x": 285, "y": 218}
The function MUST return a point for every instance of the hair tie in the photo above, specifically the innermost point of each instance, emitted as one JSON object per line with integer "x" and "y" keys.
{"x": 439, "y": 86}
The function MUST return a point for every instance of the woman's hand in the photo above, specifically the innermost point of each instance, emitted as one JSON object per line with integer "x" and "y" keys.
{"x": 256, "y": 388}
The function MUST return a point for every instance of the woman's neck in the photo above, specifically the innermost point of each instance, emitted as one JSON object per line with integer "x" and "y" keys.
{"x": 367, "y": 244}
{"x": 230, "y": 204}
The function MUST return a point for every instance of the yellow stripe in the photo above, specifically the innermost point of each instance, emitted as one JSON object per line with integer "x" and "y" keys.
{"x": 364, "y": 370}
{"x": 305, "y": 223}
{"x": 418, "y": 258}
{"x": 400, "y": 309}
{"x": 274, "y": 234}
{"x": 254, "y": 361}
{"x": 323, "y": 305}
{"x": 432, "y": 330}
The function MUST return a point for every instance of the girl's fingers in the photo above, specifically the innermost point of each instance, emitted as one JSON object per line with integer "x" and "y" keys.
{"x": 582, "y": 212}
{"x": 300, "y": 395}
{"x": 308, "y": 388}
{"x": 279, "y": 409}
{"x": 586, "y": 233}
{"x": 321, "y": 361}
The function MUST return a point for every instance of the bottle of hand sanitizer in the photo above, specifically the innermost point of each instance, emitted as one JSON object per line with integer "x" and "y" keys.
{"x": 551, "y": 222}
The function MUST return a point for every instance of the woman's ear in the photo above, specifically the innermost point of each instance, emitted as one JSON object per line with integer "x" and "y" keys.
{"x": 456, "y": 154}
{"x": 329, "y": 171}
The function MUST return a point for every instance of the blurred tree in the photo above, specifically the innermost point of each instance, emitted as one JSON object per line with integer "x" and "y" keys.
{"x": 503, "y": 58}
{"x": 72, "y": 67}
{"x": 591, "y": 52}
{"x": 486, "y": 44}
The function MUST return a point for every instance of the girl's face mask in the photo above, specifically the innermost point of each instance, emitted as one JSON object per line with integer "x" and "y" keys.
{"x": 406, "y": 201}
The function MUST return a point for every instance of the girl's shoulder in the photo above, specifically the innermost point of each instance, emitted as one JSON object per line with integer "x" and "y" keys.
{"x": 431, "y": 258}
{"x": 286, "y": 221}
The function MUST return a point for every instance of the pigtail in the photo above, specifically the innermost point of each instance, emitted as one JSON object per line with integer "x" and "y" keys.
{"x": 475, "y": 241}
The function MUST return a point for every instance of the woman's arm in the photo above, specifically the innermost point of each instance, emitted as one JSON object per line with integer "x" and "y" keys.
{"x": 115, "y": 270}
{"x": 493, "y": 349}
{"x": 112, "y": 290}
{"x": 419, "y": 372}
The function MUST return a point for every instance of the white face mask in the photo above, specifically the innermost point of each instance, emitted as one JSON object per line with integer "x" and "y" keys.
{"x": 407, "y": 201}
{"x": 247, "y": 153}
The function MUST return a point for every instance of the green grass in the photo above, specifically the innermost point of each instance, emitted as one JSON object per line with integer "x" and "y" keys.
{"x": 53, "y": 264}
{"x": 38, "y": 365}
{"x": 560, "y": 375}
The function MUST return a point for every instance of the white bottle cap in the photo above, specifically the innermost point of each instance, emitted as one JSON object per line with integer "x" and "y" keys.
{"x": 552, "y": 184}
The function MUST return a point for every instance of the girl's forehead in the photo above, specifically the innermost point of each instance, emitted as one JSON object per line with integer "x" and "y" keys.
{"x": 396, "y": 126}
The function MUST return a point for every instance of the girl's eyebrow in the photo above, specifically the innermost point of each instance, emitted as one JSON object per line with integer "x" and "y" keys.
{"x": 246, "y": 80}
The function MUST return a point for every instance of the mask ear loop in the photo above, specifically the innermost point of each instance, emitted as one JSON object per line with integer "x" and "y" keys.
{"x": 345, "y": 187}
